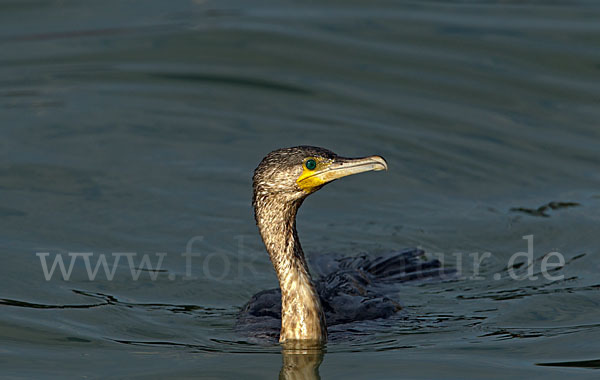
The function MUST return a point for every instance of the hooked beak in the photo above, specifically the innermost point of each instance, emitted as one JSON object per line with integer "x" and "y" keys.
{"x": 343, "y": 167}
{"x": 338, "y": 168}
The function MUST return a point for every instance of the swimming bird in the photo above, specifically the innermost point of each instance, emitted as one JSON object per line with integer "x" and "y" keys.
{"x": 349, "y": 289}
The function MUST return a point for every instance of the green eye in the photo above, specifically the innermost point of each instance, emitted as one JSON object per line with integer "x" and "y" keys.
{"x": 310, "y": 164}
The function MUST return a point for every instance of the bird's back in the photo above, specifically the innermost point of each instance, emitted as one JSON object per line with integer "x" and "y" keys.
{"x": 351, "y": 289}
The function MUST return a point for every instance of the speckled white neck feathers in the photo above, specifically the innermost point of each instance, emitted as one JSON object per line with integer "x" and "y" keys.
{"x": 302, "y": 317}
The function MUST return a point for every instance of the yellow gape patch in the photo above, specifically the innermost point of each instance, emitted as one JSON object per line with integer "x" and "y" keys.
{"x": 311, "y": 177}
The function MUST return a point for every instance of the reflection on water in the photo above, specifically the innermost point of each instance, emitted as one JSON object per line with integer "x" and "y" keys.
{"x": 301, "y": 360}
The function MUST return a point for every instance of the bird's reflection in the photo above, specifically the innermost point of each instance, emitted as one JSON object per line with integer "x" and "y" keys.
{"x": 301, "y": 360}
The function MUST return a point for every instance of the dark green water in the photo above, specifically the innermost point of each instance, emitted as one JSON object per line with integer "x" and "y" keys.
{"x": 134, "y": 127}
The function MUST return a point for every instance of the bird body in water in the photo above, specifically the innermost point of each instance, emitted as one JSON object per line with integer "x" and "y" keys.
{"x": 349, "y": 289}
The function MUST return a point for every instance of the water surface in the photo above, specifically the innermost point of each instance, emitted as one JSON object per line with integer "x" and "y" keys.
{"x": 134, "y": 127}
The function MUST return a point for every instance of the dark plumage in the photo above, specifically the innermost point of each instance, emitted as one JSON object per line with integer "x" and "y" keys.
{"x": 348, "y": 289}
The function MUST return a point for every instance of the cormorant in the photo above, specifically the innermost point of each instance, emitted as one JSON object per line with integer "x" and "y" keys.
{"x": 349, "y": 289}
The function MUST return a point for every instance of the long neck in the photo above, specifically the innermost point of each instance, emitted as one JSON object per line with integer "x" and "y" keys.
{"x": 302, "y": 316}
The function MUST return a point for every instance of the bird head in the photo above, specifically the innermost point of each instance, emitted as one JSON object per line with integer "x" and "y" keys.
{"x": 294, "y": 173}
